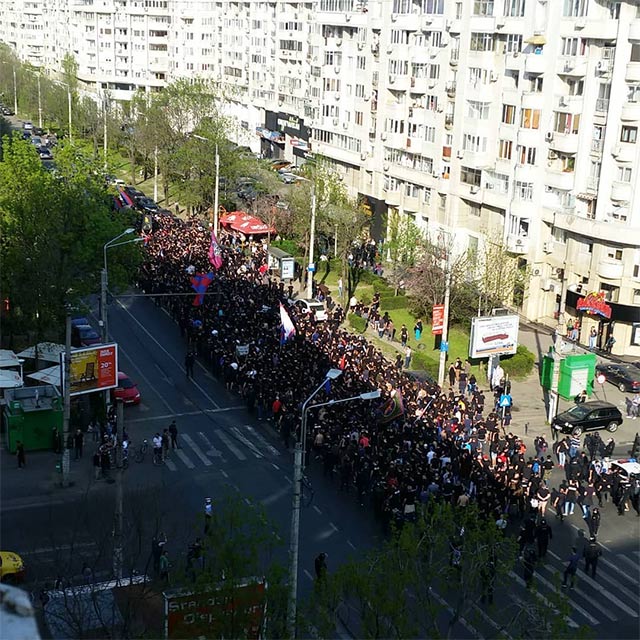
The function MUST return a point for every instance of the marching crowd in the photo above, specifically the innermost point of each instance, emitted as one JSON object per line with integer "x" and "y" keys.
{"x": 427, "y": 443}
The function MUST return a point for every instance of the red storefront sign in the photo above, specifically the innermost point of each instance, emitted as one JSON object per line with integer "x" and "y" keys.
{"x": 594, "y": 304}
{"x": 438, "y": 319}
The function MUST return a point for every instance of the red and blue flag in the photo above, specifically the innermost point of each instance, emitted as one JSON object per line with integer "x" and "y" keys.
{"x": 200, "y": 283}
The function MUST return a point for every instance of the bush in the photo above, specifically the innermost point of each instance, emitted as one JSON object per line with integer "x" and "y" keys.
{"x": 380, "y": 286}
{"x": 388, "y": 303}
{"x": 357, "y": 322}
{"x": 421, "y": 360}
{"x": 520, "y": 364}
{"x": 288, "y": 246}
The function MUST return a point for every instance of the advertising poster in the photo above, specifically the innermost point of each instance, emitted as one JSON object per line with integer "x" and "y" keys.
{"x": 438, "y": 319}
{"x": 493, "y": 335}
{"x": 92, "y": 369}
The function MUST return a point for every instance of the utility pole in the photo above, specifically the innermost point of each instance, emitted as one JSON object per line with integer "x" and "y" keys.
{"x": 117, "y": 525}
{"x": 104, "y": 130}
{"x": 312, "y": 240}
{"x": 104, "y": 284}
{"x": 155, "y": 174}
{"x": 445, "y": 323}
{"x": 294, "y": 544}
{"x": 15, "y": 92}
{"x": 66, "y": 391}
{"x": 39, "y": 104}
{"x": 555, "y": 378}
{"x": 69, "y": 105}
{"x": 216, "y": 194}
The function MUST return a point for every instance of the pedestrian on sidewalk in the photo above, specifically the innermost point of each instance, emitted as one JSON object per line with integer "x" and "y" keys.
{"x": 544, "y": 534}
{"x": 173, "y": 431}
{"x": 96, "y": 464}
{"x": 165, "y": 444}
{"x": 20, "y": 455}
{"x": 164, "y": 566}
{"x": 571, "y": 568}
{"x": 529, "y": 565}
{"x": 593, "y": 335}
{"x": 594, "y": 522}
{"x": 591, "y": 553}
{"x": 404, "y": 335}
{"x": 78, "y": 443}
{"x": 407, "y": 357}
{"x": 189, "y": 361}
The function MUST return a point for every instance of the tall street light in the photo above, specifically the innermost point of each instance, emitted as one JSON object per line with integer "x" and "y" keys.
{"x": 299, "y": 457}
{"x": 312, "y": 238}
{"x": 216, "y": 192}
{"x": 65, "y": 84}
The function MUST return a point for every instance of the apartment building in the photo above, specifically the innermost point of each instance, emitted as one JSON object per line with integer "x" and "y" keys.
{"x": 515, "y": 119}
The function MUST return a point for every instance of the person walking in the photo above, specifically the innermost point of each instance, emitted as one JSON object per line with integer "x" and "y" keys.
{"x": 593, "y": 335}
{"x": 96, "y": 464}
{"x": 529, "y": 565}
{"x": 165, "y": 444}
{"x": 173, "y": 432}
{"x": 571, "y": 568}
{"x": 407, "y": 357}
{"x": 594, "y": 522}
{"x": 164, "y": 566}
{"x": 591, "y": 553}
{"x": 321, "y": 566}
{"x": 544, "y": 534}
{"x": 20, "y": 455}
{"x": 78, "y": 443}
{"x": 404, "y": 335}
{"x": 417, "y": 330}
{"x": 189, "y": 361}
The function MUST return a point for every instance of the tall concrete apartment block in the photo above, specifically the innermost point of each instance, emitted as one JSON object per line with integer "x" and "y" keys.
{"x": 515, "y": 119}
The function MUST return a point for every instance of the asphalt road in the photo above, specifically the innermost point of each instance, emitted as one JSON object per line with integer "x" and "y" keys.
{"x": 224, "y": 450}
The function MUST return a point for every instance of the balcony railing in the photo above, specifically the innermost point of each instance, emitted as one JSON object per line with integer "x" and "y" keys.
{"x": 602, "y": 105}
{"x": 596, "y": 146}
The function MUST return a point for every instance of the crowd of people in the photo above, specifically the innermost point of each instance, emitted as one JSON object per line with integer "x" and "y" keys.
{"x": 447, "y": 444}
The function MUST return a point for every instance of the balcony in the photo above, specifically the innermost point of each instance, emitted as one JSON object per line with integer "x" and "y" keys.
{"x": 563, "y": 180}
{"x": 393, "y": 198}
{"x": 535, "y": 63}
{"x": 633, "y": 72}
{"x": 634, "y": 30}
{"x": 602, "y": 105}
{"x": 610, "y": 269}
{"x": 517, "y": 244}
{"x": 630, "y": 112}
{"x": 399, "y": 83}
{"x": 420, "y": 55}
{"x": 597, "y": 146}
{"x": 621, "y": 191}
{"x": 159, "y": 63}
{"x": 571, "y": 104}
{"x": 624, "y": 152}
{"x": 565, "y": 142}
{"x": 450, "y": 88}
{"x": 532, "y": 100}
{"x": 573, "y": 66}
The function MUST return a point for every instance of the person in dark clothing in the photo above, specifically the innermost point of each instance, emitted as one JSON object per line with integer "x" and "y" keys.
{"x": 529, "y": 565}
{"x": 571, "y": 568}
{"x": 20, "y": 455}
{"x": 173, "y": 432}
{"x": 78, "y": 443}
{"x": 544, "y": 534}
{"x": 594, "y": 522}
{"x": 321, "y": 566}
{"x": 189, "y": 361}
{"x": 591, "y": 553}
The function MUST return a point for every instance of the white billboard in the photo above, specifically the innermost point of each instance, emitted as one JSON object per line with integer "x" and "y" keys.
{"x": 493, "y": 335}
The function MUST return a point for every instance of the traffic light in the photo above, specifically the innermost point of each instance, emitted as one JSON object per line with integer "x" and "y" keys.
{"x": 147, "y": 223}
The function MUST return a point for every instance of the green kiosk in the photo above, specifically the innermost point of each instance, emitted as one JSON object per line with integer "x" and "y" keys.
{"x": 30, "y": 415}
{"x": 577, "y": 372}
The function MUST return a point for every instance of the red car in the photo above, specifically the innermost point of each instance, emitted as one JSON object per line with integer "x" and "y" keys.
{"x": 126, "y": 390}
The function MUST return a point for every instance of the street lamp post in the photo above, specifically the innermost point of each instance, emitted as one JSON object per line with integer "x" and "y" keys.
{"x": 216, "y": 192}
{"x": 39, "y": 103}
{"x": 299, "y": 465}
{"x": 312, "y": 238}
{"x": 15, "y": 92}
{"x": 65, "y": 84}
{"x": 66, "y": 400}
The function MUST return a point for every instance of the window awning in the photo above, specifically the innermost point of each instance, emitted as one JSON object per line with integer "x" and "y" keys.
{"x": 539, "y": 40}
{"x": 587, "y": 196}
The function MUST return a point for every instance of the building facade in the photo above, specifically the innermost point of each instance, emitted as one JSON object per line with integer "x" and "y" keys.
{"x": 480, "y": 118}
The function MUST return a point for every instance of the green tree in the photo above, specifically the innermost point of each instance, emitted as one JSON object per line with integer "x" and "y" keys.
{"x": 53, "y": 229}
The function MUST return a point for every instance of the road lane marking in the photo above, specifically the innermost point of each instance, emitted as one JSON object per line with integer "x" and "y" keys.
{"x": 180, "y": 367}
{"x": 492, "y": 622}
{"x": 275, "y": 496}
{"x": 316, "y": 508}
{"x": 211, "y": 451}
{"x": 32, "y": 505}
{"x": 171, "y": 465}
{"x": 252, "y": 447}
{"x": 147, "y": 382}
{"x": 224, "y": 473}
{"x": 185, "y": 458}
{"x": 353, "y": 546}
{"x": 62, "y": 547}
{"x": 333, "y": 526}
{"x": 618, "y": 570}
{"x": 185, "y": 414}
{"x": 306, "y": 573}
{"x": 574, "y": 604}
{"x": 631, "y": 563}
{"x": 196, "y": 449}
{"x": 267, "y": 445}
{"x": 232, "y": 447}
{"x": 275, "y": 466}
{"x": 462, "y": 620}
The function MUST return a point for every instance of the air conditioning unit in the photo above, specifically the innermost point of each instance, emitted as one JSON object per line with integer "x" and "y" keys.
{"x": 536, "y": 272}
{"x": 335, "y": 122}
{"x": 548, "y": 136}
{"x": 347, "y": 17}
{"x": 345, "y": 125}
{"x": 580, "y": 24}
{"x": 548, "y": 285}
{"x": 552, "y": 155}
{"x": 435, "y": 174}
{"x": 516, "y": 54}
{"x": 385, "y": 166}
{"x": 383, "y": 136}
{"x": 494, "y": 76}
{"x": 339, "y": 42}
{"x": 460, "y": 154}
{"x": 474, "y": 189}
{"x": 499, "y": 23}
{"x": 563, "y": 102}
{"x": 363, "y": 156}
{"x": 603, "y": 66}
{"x": 489, "y": 186}
{"x": 392, "y": 79}
{"x": 361, "y": 46}
{"x": 448, "y": 24}
{"x": 547, "y": 247}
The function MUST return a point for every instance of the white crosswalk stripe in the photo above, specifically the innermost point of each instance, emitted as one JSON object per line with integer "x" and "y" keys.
{"x": 196, "y": 449}
{"x": 252, "y": 447}
{"x": 210, "y": 449}
{"x": 232, "y": 447}
{"x": 262, "y": 440}
{"x": 171, "y": 465}
{"x": 618, "y": 570}
{"x": 185, "y": 458}
{"x": 634, "y": 565}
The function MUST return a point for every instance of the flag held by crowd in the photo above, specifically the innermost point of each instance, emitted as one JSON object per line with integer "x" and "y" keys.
{"x": 200, "y": 283}
{"x": 215, "y": 252}
{"x": 393, "y": 408}
{"x": 286, "y": 329}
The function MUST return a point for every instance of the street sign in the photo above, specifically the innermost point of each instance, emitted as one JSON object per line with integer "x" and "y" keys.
{"x": 505, "y": 400}
{"x": 601, "y": 379}
{"x": 444, "y": 346}
{"x": 311, "y": 268}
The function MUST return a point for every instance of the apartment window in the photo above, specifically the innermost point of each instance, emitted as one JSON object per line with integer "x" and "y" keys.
{"x": 394, "y": 126}
{"x": 434, "y": 7}
{"x": 523, "y": 190}
{"x": 636, "y": 270}
{"x": 611, "y": 292}
{"x": 359, "y": 91}
{"x": 361, "y": 62}
{"x": 514, "y": 8}
{"x": 411, "y": 190}
{"x": 614, "y": 254}
{"x": 634, "y": 92}
{"x": 535, "y": 83}
{"x": 478, "y": 76}
{"x": 575, "y": 87}
{"x": 566, "y": 123}
{"x": 629, "y": 134}
{"x": 434, "y": 71}
{"x": 504, "y": 149}
{"x": 514, "y": 43}
{"x": 358, "y": 118}
{"x": 398, "y": 67}
{"x": 497, "y": 182}
{"x": 399, "y": 37}
{"x": 478, "y": 110}
{"x": 483, "y": 7}
{"x": 575, "y": 8}
{"x": 426, "y": 195}
{"x": 574, "y": 47}
{"x": 474, "y": 143}
{"x": 623, "y": 174}
{"x": 471, "y": 176}
{"x": 614, "y": 10}
{"x": 481, "y": 41}
{"x": 430, "y": 134}
{"x": 526, "y": 155}
{"x": 636, "y": 300}
{"x": 475, "y": 209}
{"x": 635, "y": 53}
{"x": 530, "y": 119}
{"x": 508, "y": 113}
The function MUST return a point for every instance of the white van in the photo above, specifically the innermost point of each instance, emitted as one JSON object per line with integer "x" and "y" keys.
{"x": 315, "y": 307}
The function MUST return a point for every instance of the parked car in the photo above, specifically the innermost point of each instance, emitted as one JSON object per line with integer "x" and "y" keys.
{"x": 79, "y": 321}
{"x": 288, "y": 178}
{"x": 279, "y": 164}
{"x": 37, "y": 131}
{"x": 588, "y": 416}
{"x": 45, "y": 153}
{"x": 12, "y": 568}
{"x": 134, "y": 193}
{"x": 625, "y": 376}
{"x": 314, "y": 307}
{"x": 8, "y": 111}
{"x": 146, "y": 204}
{"x": 629, "y": 468}
{"x": 87, "y": 335}
{"x": 127, "y": 391}
{"x": 27, "y": 125}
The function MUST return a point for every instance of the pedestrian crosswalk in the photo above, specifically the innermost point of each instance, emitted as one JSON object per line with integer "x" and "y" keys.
{"x": 612, "y": 597}
{"x": 240, "y": 443}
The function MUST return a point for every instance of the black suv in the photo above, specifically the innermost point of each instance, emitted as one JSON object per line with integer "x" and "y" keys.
{"x": 588, "y": 416}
